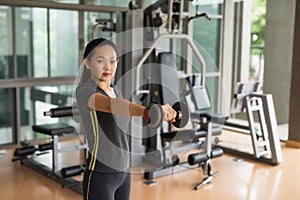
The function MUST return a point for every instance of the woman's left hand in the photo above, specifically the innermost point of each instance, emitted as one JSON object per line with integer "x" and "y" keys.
{"x": 169, "y": 113}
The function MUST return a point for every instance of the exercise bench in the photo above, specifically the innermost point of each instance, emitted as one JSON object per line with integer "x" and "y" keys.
{"x": 56, "y": 131}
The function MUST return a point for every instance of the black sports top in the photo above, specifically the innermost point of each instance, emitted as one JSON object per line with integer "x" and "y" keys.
{"x": 106, "y": 133}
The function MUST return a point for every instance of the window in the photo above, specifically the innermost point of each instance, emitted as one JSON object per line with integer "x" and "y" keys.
{"x": 64, "y": 42}
{"x": 6, "y": 50}
{"x": 39, "y": 59}
{"x": 39, "y": 99}
{"x": 208, "y": 32}
{"x": 207, "y": 36}
{"x": 7, "y": 115}
{"x": 119, "y": 3}
{"x": 31, "y": 42}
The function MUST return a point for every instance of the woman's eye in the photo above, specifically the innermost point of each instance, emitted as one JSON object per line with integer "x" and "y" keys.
{"x": 101, "y": 61}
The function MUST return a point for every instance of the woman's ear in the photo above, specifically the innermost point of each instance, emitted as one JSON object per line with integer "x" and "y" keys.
{"x": 86, "y": 63}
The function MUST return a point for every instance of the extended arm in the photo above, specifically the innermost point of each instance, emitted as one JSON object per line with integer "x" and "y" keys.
{"x": 124, "y": 107}
{"x": 118, "y": 106}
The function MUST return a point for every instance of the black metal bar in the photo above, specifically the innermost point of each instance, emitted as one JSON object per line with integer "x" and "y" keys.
{"x": 43, "y": 169}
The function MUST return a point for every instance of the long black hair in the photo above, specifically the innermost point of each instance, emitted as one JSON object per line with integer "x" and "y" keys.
{"x": 89, "y": 51}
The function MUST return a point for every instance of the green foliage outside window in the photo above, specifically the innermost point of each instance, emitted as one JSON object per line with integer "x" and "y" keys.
{"x": 258, "y": 21}
{"x": 258, "y": 25}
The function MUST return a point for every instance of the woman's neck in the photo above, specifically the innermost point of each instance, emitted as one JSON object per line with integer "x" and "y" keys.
{"x": 104, "y": 85}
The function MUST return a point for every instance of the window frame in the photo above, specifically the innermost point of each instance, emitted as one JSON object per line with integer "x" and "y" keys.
{"x": 16, "y": 83}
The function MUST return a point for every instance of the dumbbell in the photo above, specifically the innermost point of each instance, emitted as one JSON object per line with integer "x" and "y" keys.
{"x": 154, "y": 115}
{"x": 182, "y": 114}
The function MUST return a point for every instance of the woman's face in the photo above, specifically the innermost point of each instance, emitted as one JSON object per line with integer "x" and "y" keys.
{"x": 103, "y": 64}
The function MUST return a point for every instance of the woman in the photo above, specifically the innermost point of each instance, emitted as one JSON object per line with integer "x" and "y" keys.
{"x": 105, "y": 116}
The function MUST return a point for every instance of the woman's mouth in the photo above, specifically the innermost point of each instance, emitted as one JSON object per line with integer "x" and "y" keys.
{"x": 106, "y": 74}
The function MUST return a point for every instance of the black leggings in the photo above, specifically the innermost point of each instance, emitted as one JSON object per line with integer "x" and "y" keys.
{"x": 106, "y": 186}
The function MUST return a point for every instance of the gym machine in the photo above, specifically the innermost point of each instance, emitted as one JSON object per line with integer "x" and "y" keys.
{"x": 175, "y": 12}
{"x": 262, "y": 124}
{"x": 188, "y": 136}
{"x": 147, "y": 85}
{"x": 28, "y": 153}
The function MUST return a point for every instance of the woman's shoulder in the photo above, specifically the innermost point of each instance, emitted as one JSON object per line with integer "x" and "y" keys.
{"x": 86, "y": 87}
{"x": 88, "y": 83}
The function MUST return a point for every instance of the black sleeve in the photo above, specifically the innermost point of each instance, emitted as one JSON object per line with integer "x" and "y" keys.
{"x": 83, "y": 93}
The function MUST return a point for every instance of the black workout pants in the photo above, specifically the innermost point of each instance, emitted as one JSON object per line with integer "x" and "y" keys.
{"x": 106, "y": 186}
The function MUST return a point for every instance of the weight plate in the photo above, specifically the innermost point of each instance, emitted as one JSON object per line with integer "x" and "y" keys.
{"x": 183, "y": 114}
{"x": 156, "y": 115}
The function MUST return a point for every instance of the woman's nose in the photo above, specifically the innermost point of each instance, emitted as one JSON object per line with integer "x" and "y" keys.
{"x": 107, "y": 66}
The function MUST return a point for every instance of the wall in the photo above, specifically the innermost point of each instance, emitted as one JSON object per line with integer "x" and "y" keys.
{"x": 278, "y": 54}
{"x": 294, "y": 122}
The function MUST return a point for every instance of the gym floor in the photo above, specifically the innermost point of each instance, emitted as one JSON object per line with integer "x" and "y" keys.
{"x": 240, "y": 180}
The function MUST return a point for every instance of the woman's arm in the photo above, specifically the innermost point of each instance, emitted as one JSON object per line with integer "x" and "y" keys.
{"x": 118, "y": 106}
{"x": 124, "y": 107}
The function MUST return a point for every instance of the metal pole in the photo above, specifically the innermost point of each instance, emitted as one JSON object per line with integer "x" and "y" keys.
{"x": 170, "y": 36}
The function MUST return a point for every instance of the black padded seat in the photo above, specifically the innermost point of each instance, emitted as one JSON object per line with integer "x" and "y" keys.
{"x": 210, "y": 117}
{"x": 54, "y": 129}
